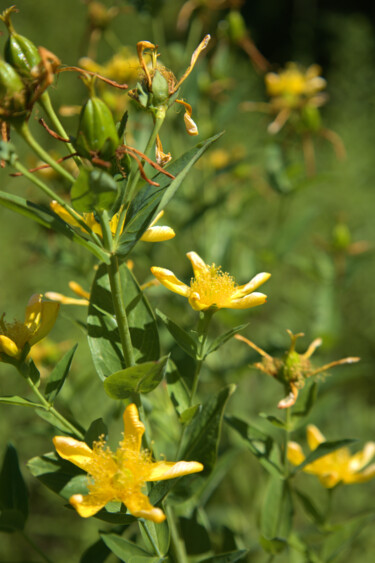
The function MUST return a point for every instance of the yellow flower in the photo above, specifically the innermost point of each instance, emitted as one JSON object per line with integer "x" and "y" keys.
{"x": 122, "y": 66}
{"x": 153, "y": 234}
{"x": 122, "y": 475}
{"x": 40, "y": 316}
{"x": 84, "y": 296}
{"x": 211, "y": 287}
{"x": 293, "y": 83}
{"x": 336, "y": 466}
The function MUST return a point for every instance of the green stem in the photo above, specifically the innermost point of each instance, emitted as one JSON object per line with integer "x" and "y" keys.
{"x": 286, "y": 440}
{"x": 135, "y": 174}
{"x": 118, "y": 302}
{"x": 34, "y": 546}
{"x": 156, "y": 549}
{"x": 50, "y": 193}
{"x": 203, "y": 324}
{"x": 24, "y": 370}
{"x": 178, "y": 544}
{"x": 25, "y": 133}
{"x": 45, "y": 102}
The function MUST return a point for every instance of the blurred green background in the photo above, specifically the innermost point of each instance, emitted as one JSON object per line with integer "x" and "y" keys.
{"x": 315, "y": 235}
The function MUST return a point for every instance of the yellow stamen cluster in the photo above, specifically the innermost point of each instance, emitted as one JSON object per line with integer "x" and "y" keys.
{"x": 212, "y": 287}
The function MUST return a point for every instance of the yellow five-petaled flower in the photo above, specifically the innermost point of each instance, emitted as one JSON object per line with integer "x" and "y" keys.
{"x": 121, "y": 475}
{"x": 336, "y": 466}
{"x": 40, "y": 316}
{"x": 212, "y": 288}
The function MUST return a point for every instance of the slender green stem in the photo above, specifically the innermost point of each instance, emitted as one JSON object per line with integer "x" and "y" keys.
{"x": 45, "y": 102}
{"x": 50, "y": 193}
{"x": 118, "y": 302}
{"x": 178, "y": 544}
{"x": 155, "y": 546}
{"x": 286, "y": 440}
{"x": 34, "y": 546}
{"x": 203, "y": 324}
{"x": 135, "y": 175}
{"x": 25, "y": 371}
{"x": 25, "y": 133}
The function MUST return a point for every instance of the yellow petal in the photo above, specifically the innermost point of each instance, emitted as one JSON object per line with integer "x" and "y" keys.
{"x": 169, "y": 280}
{"x": 191, "y": 126}
{"x": 133, "y": 429}
{"x": 295, "y": 453}
{"x": 362, "y": 458}
{"x": 63, "y": 214}
{"x": 7, "y": 346}
{"x": 49, "y": 312}
{"x": 87, "y": 505}
{"x": 252, "y": 300}
{"x": 314, "y": 437}
{"x": 139, "y": 505}
{"x": 199, "y": 266}
{"x": 362, "y": 477}
{"x": 158, "y": 234}
{"x": 252, "y": 285}
{"x": 78, "y": 290}
{"x": 195, "y": 302}
{"x": 33, "y": 313}
{"x": 330, "y": 479}
{"x": 74, "y": 451}
{"x": 64, "y": 300}
{"x": 162, "y": 470}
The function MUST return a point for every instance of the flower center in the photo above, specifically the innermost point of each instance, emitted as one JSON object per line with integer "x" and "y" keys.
{"x": 16, "y": 331}
{"x": 213, "y": 286}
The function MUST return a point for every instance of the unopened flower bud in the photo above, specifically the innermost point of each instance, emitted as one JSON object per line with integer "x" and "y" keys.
{"x": 13, "y": 97}
{"x": 19, "y": 52}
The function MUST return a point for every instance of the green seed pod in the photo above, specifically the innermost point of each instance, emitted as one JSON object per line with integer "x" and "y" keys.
{"x": 13, "y": 97}
{"x": 97, "y": 134}
{"x": 21, "y": 53}
{"x": 160, "y": 89}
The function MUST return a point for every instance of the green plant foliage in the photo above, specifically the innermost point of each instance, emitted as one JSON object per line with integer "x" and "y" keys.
{"x": 142, "y": 378}
{"x": 13, "y": 493}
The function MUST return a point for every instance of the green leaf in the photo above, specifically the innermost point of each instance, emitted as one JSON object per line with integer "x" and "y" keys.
{"x": 259, "y": 443}
{"x": 323, "y": 449}
{"x": 96, "y": 553}
{"x": 229, "y": 557}
{"x": 93, "y": 190}
{"x": 220, "y": 340}
{"x": 159, "y": 533}
{"x": 150, "y": 200}
{"x": 49, "y": 417}
{"x": 187, "y": 415}
{"x": 343, "y": 535}
{"x": 125, "y": 549}
{"x": 310, "y": 508}
{"x": 177, "y": 390}
{"x": 13, "y": 493}
{"x": 103, "y": 335}
{"x": 97, "y": 429}
{"x": 277, "y": 511}
{"x": 195, "y": 535}
{"x": 141, "y": 378}
{"x": 202, "y": 435}
{"x": 186, "y": 341}
{"x": 16, "y": 400}
{"x": 273, "y": 420}
{"x": 45, "y": 217}
{"x": 274, "y": 546}
{"x": 58, "y": 375}
{"x": 65, "y": 479}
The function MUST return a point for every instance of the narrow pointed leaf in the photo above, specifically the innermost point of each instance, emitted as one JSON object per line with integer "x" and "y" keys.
{"x": 186, "y": 341}
{"x": 13, "y": 493}
{"x": 141, "y": 378}
{"x": 229, "y": 557}
{"x": 223, "y": 338}
{"x": 103, "y": 335}
{"x": 123, "y": 548}
{"x": 277, "y": 510}
{"x": 150, "y": 200}
{"x": 16, "y": 400}
{"x": 97, "y": 429}
{"x": 58, "y": 375}
{"x": 310, "y": 508}
{"x": 177, "y": 390}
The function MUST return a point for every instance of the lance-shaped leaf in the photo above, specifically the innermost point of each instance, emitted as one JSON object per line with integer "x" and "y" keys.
{"x": 158, "y": 532}
{"x": 202, "y": 435}
{"x": 103, "y": 335}
{"x": 93, "y": 190}
{"x": 49, "y": 220}
{"x": 16, "y": 400}
{"x": 125, "y": 549}
{"x": 188, "y": 342}
{"x": 343, "y": 535}
{"x": 141, "y": 378}
{"x": 150, "y": 200}
{"x": 13, "y": 493}
{"x": 177, "y": 389}
{"x": 97, "y": 429}
{"x": 223, "y": 338}
{"x": 276, "y": 515}
{"x": 259, "y": 443}
{"x": 58, "y": 375}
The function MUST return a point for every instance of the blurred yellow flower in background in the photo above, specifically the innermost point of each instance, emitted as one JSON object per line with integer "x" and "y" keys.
{"x": 294, "y": 84}
{"x": 211, "y": 287}
{"x": 337, "y": 466}
{"x": 122, "y": 475}
{"x": 40, "y": 316}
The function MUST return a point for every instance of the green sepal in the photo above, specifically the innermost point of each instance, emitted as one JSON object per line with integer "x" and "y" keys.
{"x": 187, "y": 341}
{"x": 13, "y": 493}
{"x": 323, "y": 449}
{"x": 260, "y": 444}
{"x": 93, "y": 190}
{"x": 12, "y": 93}
{"x": 150, "y": 200}
{"x": 160, "y": 90}
{"x": 103, "y": 336}
{"x": 141, "y": 378}
{"x": 56, "y": 378}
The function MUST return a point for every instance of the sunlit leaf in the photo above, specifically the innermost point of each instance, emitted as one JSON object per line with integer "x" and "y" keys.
{"x": 58, "y": 375}
{"x": 141, "y": 378}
